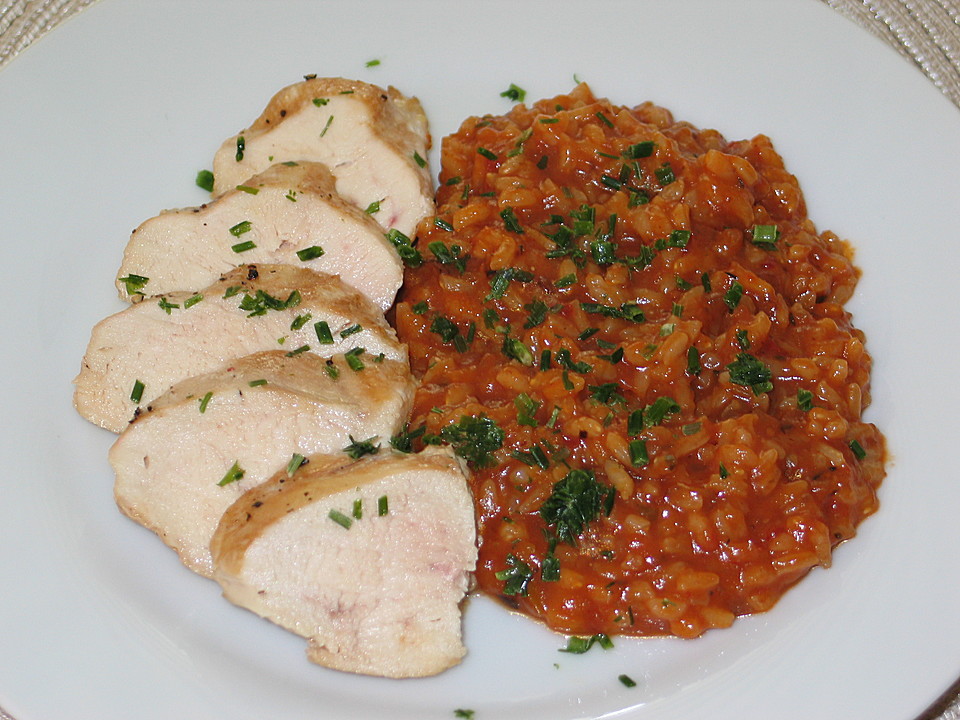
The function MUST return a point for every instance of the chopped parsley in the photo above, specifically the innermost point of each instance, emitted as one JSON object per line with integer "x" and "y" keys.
{"x": 579, "y": 645}
{"x": 403, "y": 441}
{"x": 474, "y": 438}
{"x": 639, "y": 150}
{"x": 750, "y": 372}
{"x": 514, "y": 93}
{"x": 204, "y": 180}
{"x": 510, "y": 221}
{"x": 516, "y": 577}
{"x": 575, "y": 501}
{"x": 358, "y": 448}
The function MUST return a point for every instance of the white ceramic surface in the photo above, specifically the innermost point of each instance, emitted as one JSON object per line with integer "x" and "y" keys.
{"x": 106, "y": 120}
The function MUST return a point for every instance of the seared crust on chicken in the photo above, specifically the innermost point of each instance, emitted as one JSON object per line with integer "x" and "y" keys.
{"x": 368, "y": 561}
{"x": 173, "y": 463}
{"x": 374, "y": 141}
{"x": 137, "y": 354}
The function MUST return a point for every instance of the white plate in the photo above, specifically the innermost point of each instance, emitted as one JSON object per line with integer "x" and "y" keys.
{"x": 106, "y": 121}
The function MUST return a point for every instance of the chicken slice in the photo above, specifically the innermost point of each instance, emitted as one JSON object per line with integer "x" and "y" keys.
{"x": 368, "y": 561}
{"x": 295, "y": 217}
{"x": 208, "y": 439}
{"x": 375, "y": 142}
{"x": 137, "y": 354}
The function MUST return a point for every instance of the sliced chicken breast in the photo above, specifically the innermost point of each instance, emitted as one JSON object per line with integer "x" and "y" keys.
{"x": 208, "y": 439}
{"x": 369, "y": 561}
{"x": 375, "y": 142}
{"x": 295, "y": 217}
{"x": 137, "y": 354}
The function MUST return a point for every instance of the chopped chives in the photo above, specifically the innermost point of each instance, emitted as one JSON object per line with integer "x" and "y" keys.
{"x": 167, "y": 306}
{"x": 358, "y": 509}
{"x": 324, "y": 336}
{"x": 665, "y": 174}
{"x": 327, "y": 126}
{"x": 858, "y": 450}
{"x": 418, "y": 159}
{"x": 352, "y": 330}
{"x": 604, "y": 119}
{"x": 240, "y": 228}
{"x": 383, "y": 505}
{"x": 765, "y": 236}
{"x": 243, "y": 247}
{"x": 296, "y": 461}
{"x": 232, "y": 475}
{"x": 298, "y": 351}
{"x": 137, "y": 393}
{"x": 545, "y": 356}
{"x": 204, "y": 401}
{"x": 310, "y": 253}
{"x": 353, "y": 359}
{"x": 732, "y": 297}
{"x": 257, "y": 383}
{"x": 299, "y": 321}
{"x": 627, "y": 681}
{"x": 638, "y": 453}
{"x": 134, "y": 283}
{"x": 192, "y": 300}
{"x": 340, "y": 519}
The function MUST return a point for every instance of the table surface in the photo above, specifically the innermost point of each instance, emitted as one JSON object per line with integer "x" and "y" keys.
{"x": 924, "y": 32}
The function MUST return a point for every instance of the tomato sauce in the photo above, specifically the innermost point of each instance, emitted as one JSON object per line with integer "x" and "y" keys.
{"x": 649, "y": 338}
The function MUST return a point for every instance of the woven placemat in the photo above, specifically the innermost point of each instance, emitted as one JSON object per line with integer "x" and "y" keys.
{"x": 925, "y": 32}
